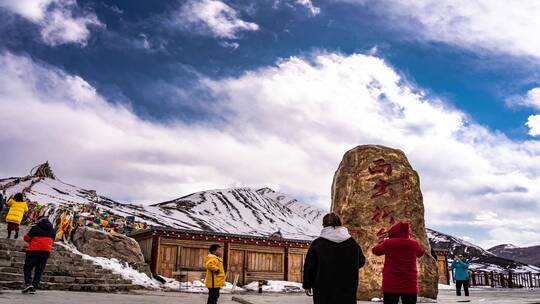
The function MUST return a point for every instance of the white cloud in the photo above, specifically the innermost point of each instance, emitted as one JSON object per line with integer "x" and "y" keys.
{"x": 286, "y": 126}
{"x": 498, "y": 234}
{"x": 305, "y": 4}
{"x": 509, "y": 27}
{"x": 212, "y": 17}
{"x": 534, "y": 125}
{"x": 231, "y": 45}
{"x": 531, "y": 99}
{"x": 60, "y": 21}
{"x": 313, "y": 10}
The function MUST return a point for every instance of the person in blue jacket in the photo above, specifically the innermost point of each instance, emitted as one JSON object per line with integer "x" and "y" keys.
{"x": 460, "y": 268}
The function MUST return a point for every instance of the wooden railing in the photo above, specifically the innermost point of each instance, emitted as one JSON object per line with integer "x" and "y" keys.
{"x": 505, "y": 280}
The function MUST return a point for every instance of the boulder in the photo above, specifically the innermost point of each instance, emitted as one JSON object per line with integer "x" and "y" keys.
{"x": 97, "y": 243}
{"x": 375, "y": 187}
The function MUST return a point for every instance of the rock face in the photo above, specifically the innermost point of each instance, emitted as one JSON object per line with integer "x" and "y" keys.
{"x": 375, "y": 187}
{"x": 109, "y": 245}
{"x": 44, "y": 170}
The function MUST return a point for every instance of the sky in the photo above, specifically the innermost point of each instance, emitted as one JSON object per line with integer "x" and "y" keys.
{"x": 147, "y": 101}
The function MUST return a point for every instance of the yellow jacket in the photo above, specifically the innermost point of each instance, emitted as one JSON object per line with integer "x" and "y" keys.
{"x": 16, "y": 211}
{"x": 215, "y": 274}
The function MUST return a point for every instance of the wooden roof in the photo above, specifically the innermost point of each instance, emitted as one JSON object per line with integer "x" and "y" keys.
{"x": 220, "y": 237}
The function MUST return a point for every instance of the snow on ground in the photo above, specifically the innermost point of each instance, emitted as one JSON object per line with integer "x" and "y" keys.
{"x": 276, "y": 286}
{"x": 18, "y": 188}
{"x": 128, "y": 273}
{"x": 142, "y": 279}
{"x": 197, "y": 286}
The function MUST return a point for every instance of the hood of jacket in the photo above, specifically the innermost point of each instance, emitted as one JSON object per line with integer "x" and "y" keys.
{"x": 212, "y": 256}
{"x": 400, "y": 230}
{"x": 45, "y": 224}
{"x": 337, "y": 234}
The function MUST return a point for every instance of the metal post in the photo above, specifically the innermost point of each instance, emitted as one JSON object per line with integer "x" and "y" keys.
{"x": 260, "y": 286}
{"x": 510, "y": 279}
{"x": 226, "y": 255}
{"x": 492, "y": 277}
{"x": 286, "y": 264}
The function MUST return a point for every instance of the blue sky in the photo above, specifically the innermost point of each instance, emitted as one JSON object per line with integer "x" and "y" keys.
{"x": 122, "y": 96}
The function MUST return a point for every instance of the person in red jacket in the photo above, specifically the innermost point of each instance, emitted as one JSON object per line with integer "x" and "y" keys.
{"x": 40, "y": 240}
{"x": 400, "y": 275}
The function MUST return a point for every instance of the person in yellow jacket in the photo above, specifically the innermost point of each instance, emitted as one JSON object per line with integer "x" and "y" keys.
{"x": 17, "y": 209}
{"x": 215, "y": 273}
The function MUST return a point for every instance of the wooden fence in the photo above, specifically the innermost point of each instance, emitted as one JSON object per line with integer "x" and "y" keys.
{"x": 505, "y": 280}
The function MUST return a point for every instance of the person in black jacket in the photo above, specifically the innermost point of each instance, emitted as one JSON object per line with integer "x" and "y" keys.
{"x": 40, "y": 241}
{"x": 332, "y": 265}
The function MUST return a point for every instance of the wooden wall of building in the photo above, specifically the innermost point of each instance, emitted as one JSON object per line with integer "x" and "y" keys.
{"x": 442, "y": 266}
{"x": 146, "y": 248}
{"x": 184, "y": 259}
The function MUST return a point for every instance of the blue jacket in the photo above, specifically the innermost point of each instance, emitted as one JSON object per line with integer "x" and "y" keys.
{"x": 461, "y": 270}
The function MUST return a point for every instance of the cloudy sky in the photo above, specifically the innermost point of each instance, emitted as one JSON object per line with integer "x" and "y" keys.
{"x": 150, "y": 100}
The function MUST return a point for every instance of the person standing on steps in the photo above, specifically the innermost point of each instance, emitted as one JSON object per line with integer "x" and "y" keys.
{"x": 2, "y": 198}
{"x": 215, "y": 273}
{"x": 400, "y": 274}
{"x": 332, "y": 265}
{"x": 17, "y": 209}
{"x": 40, "y": 241}
{"x": 460, "y": 268}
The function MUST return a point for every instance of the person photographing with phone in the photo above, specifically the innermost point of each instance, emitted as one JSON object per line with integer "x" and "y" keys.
{"x": 460, "y": 270}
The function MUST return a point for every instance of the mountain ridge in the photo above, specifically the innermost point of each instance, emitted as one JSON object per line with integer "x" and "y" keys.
{"x": 529, "y": 255}
{"x": 241, "y": 210}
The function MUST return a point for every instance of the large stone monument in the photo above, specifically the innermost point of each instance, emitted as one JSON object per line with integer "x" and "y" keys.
{"x": 375, "y": 187}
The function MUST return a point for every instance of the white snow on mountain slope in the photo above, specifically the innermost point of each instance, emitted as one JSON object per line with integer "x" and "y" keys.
{"x": 246, "y": 211}
{"x": 481, "y": 259}
{"x": 249, "y": 211}
{"x": 310, "y": 213}
{"x": 236, "y": 210}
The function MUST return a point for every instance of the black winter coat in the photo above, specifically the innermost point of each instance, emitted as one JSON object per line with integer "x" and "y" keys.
{"x": 331, "y": 271}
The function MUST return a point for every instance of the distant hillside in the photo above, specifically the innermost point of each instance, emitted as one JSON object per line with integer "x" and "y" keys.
{"x": 481, "y": 259}
{"x": 528, "y": 255}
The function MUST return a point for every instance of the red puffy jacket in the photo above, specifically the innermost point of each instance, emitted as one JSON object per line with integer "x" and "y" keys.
{"x": 40, "y": 237}
{"x": 400, "y": 274}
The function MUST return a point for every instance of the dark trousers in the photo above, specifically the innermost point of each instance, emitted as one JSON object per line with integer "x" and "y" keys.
{"x": 213, "y": 295}
{"x": 37, "y": 261}
{"x": 393, "y": 298}
{"x": 13, "y": 227}
{"x": 465, "y": 284}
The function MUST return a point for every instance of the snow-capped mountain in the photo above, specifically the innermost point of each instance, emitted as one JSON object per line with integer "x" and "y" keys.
{"x": 250, "y": 211}
{"x": 243, "y": 210}
{"x": 528, "y": 255}
{"x": 481, "y": 260}
{"x": 236, "y": 210}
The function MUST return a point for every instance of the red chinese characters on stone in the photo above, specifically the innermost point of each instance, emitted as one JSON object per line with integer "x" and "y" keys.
{"x": 383, "y": 214}
{"x": 405, "y": 183}
{"x": 382, "y": 234}
{"x": 380, "y": 166}
{"x": 381, "y": 188}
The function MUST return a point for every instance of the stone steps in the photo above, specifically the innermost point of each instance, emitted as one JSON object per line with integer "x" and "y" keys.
{"x": 74, "y": 287}
{"x": 65, "y": 270}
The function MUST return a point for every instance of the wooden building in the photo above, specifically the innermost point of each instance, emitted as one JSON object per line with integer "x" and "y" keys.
{"x": 442, "y": 265}
{"x": 180, "y": 254}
